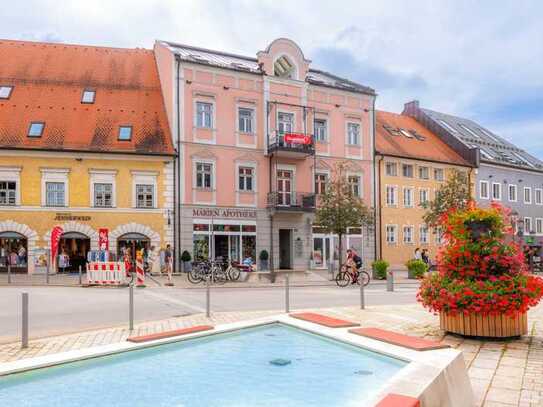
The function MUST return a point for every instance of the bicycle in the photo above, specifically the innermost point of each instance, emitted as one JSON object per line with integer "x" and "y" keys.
{"x": 347, "y": 274}
{"x": 207, "y": 270}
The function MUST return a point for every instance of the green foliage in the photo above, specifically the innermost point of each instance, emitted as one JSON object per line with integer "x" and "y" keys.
{"x": 380, "y": 268}
{"x": 264, "y": 255}
{"x": 185, "y": 256}
{"x": 454, "y": 194}
{"x": 338, "y": 208}
{"x": 417, "y": 267}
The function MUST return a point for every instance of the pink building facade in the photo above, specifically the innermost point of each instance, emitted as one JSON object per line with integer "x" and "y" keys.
{"x": 257, "y": 139}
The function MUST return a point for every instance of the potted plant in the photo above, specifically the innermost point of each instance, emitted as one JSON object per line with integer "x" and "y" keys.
{"x": 379, "y": 269}
{"x": 185, "y": 261}
{"x": 482, "y": 287}
{"x": 263, "y": 257}
{"x": 416, "y": 268}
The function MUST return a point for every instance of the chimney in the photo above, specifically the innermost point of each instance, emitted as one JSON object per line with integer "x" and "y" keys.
{"x": 410, "y": 108}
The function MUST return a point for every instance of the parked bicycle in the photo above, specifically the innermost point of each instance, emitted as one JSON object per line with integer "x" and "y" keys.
{"x": 349, "y": 274}
{"x": 217, "y": 272}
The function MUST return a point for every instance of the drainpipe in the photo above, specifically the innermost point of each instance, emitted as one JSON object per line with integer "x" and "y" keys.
{"x": 177, "y": 174}
{"x": 378, "y": 255}
{"x": 376, "y": 194}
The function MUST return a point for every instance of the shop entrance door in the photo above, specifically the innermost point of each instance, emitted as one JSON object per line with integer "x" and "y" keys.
{"x": 285, "y": 248}
{"x": 321, "y": 251}
{"x": 72, "y": 252}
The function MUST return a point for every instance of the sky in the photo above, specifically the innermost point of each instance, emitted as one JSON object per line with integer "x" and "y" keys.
{"x": 477, "y": 59}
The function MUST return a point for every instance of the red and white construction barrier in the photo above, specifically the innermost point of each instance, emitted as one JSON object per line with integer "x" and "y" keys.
{"x": 140, "y": 274}
{"x": 106, "y": 273}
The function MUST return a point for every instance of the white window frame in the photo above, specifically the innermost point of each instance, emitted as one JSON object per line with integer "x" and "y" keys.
{"x": 538, "y": 192}
{"x": 411, "y": 195}
{"x": 499, "y": 198}
{"x": 144, "y": 178}
{"x": 195, "y": 175}
{"x": 360, "y": 182}
{"x": 55, "y": 175}
{"x": 325, "y": 139}
{"x": 394, "y": 195}
{"x": 426, "y": 240}
{"x": 395, "y": 166}
{"x": 527, "y": 220}
{"x": 427, "y": 172}
{"x": 539, "y": 226}
{"x": 528, "y": 202}
{"x": 509, "y": 188}
{"x": 12, "y": 174}
{"x": 253, "y": 178}
{"x": 412, "y": 234}
{"x": 412, "y": 170}
{"x": 486, "y": 183}
{"x": 440, "y": 171}
{"x": 252, "y": 120}
{"x": 348, "y": 140}
{"x": 394, "y": 234}
{"x": 103, "y": 177}
{"x": 196, "y": 114}
{"x": 315, "y": 175}
{"x": 421, "y": 190}
{"x": 293, "y": 123}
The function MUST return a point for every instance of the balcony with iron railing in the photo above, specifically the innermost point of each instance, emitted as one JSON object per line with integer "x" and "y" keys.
{"x": 292, "y": 201}
{"x": 291, "y": 145}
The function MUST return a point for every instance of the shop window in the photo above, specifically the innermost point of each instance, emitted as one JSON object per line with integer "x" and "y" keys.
{"x": 13, "y": 250}
{"x": 204, "y": 172}
{"x": 246, "y": 178}
{"x": 200, "y": 248}
{"x": 249, "y": 247}
{"x": 55, "y": 194}
{"x": 8, "y": 193}
{"x": 144, "y": 196}
{"x": 200, "y": 227}
{"x": 248, "y": 228}
{"x": 245, "y": 117}
{"x": 226, "y": 228}
{"x": 103, "y": 195}
{"x": 204, "y": 115}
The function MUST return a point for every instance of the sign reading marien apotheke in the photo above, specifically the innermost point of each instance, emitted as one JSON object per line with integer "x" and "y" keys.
{"x": 65, "y": 216}
{"x": 224, "y": 213}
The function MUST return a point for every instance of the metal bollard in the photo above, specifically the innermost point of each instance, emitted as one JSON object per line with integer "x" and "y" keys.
{"x": 362, "y": 297}
{"x": 131, "y": 307}
{"x": 47, "y": 274}
{"x": 390, "y": 281}
{"x": 80, "y": 279}
{"x": 287, "y": 294}
{"x": 9, "y": 273}
{"x": 24, "y": 325}
{"x": 208, "y": 298}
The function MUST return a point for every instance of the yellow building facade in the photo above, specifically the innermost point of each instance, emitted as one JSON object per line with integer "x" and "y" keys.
{"x": 126, "y": 217}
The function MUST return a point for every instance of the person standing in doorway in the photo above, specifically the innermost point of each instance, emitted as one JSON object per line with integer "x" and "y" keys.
{"x": 418, "y": 255}
{"x": 168, "y": 262}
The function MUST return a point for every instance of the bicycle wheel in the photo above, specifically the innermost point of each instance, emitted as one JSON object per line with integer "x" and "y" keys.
{"x": 218, "y": 276}
{"x": 343, "y": 279}
{"x": 363, "y": 278}
{"x": 195, "y": 275}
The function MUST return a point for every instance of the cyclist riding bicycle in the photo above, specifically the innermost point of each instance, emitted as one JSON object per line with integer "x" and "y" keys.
{"x": 355, "y": 262}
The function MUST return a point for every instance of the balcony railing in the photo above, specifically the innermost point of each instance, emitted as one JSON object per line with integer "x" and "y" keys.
{"x": 292, "y": 145}
{"x": 292, "y": 201}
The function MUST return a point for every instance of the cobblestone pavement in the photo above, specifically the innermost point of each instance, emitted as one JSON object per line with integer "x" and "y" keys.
{"x": 503, "y": 373}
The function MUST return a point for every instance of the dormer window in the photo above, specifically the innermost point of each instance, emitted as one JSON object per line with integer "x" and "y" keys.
{"x": 5, "y": 92}
{"x": 36, "y": 129}
{"x": 283, "y": 68}
{"x": 88, "y": 96}
{"x": 125, "y": 133}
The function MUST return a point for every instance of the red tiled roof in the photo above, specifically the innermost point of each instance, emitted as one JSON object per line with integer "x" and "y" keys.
{"x": 49, "y": 80}
{"x": 431, "y": 148}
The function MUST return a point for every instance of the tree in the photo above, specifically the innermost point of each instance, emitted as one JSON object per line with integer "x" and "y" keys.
{"x": 454, "y": 194}
{"x": 338, "y": 208}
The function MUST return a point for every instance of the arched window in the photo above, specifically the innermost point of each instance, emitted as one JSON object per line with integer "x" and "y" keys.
{"x": 284, "y": 68}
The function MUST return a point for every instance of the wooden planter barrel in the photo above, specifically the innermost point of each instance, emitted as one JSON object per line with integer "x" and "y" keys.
{"x": 494, "y": 326}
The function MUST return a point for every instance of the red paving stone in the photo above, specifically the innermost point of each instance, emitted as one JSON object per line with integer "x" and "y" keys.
{"x": 324, "y": 320}
{"x": 395, "y": 338}
{"x": 397, "y": 400}
{"x": 169, "y": 334}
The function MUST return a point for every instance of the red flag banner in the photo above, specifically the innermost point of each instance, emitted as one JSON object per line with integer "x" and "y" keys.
{"x": 55, "y": 239}
{"x": 298, "y": 138}
{"x": 103, "y": 239}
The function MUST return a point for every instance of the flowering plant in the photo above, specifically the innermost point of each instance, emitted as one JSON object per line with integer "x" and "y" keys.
{"x": 480, "y": 269}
